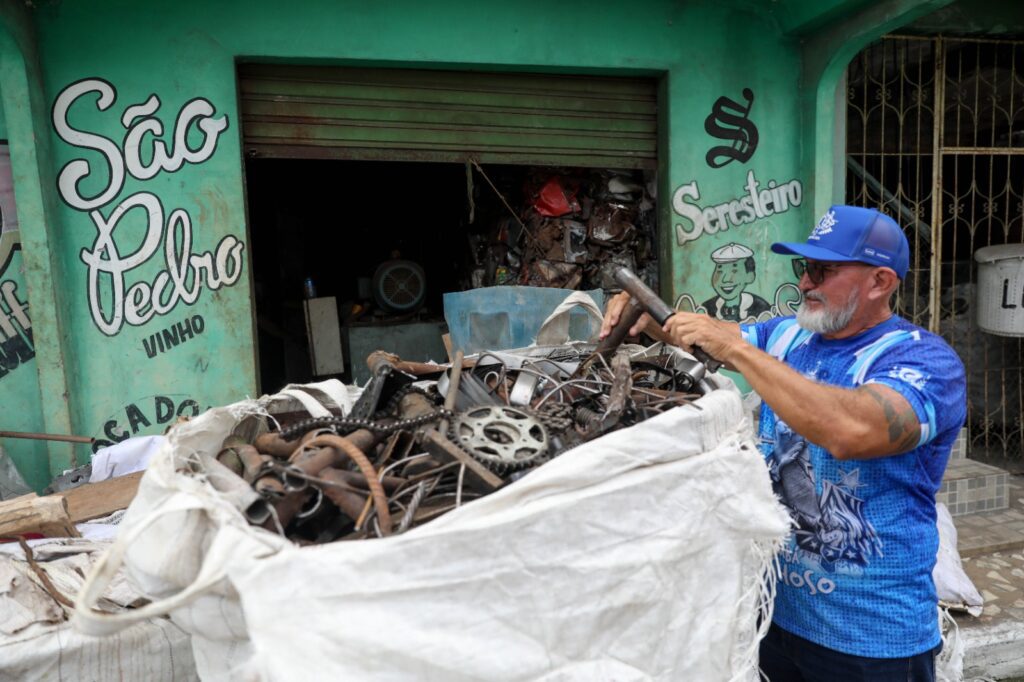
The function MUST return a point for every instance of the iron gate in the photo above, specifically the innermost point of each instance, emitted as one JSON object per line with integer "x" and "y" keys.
{"x": 935, "y": 138}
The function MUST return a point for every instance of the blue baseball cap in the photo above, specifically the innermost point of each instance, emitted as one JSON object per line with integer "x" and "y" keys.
{"x": 852, "y": 233}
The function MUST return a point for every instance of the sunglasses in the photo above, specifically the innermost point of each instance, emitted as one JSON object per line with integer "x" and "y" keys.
{"x": 816, "y": 271}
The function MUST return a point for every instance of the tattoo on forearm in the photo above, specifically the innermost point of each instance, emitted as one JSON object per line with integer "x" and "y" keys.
{"x": 904, "y": 429}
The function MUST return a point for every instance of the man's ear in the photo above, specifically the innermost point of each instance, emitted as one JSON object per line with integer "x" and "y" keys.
{"x": 884, "y": 282}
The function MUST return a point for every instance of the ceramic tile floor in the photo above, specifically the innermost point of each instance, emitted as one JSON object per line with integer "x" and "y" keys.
{"x": 991, "y": 546}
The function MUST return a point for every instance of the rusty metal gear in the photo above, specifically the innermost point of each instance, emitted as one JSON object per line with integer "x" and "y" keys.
{"x": 501, "y": 437}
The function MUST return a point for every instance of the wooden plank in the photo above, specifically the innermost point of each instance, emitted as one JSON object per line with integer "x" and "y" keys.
{"x": 33, "y": 514}
{"x": 94, "y": 500}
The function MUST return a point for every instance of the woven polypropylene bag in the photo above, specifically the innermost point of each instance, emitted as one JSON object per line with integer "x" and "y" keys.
{"x": 639, "y": 555}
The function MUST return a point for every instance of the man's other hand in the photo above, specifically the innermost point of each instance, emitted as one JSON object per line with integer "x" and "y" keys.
{"x": 613, "y": 312}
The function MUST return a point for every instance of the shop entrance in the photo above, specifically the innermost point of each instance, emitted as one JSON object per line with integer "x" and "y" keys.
{"x": 372, "y": 192}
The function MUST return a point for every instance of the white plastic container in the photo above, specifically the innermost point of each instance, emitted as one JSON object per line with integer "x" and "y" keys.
{"x": 1001, "y": 289}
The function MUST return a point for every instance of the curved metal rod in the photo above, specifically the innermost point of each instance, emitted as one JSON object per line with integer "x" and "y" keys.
{"x": 571, "y": 382}
{"x": 502, "y": 375}
{"x": 399, "y": 462}
{"x": 380, "y": 500}
{"x": 399, "y": 494}
{"x": 537, "y": 362}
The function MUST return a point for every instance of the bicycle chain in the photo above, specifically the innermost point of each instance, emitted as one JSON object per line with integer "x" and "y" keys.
{"x": 392, "y": 405}
{"x": 557, "y": 417}
{"x": 306, "y": 425}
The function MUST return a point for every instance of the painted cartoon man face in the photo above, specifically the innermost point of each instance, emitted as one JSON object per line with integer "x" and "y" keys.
{"x": 731, "y": 278}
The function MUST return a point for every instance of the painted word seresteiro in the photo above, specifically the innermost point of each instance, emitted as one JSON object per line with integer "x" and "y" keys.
{"x": 166, "y": 339}
{"x": 758, "y": 202}
{"x": 113, "y": 300}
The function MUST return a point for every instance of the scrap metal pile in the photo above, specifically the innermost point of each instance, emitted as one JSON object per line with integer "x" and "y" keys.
{"x": 572, "y": 227}
{"x": 413, "y": 449}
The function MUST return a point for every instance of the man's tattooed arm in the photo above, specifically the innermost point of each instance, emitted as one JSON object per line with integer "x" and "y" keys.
{"x": 904, "y": 429}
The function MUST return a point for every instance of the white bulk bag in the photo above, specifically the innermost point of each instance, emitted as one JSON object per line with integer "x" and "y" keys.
{"x": 639, "y": 555}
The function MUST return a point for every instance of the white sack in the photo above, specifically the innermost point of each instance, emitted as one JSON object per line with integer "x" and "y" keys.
{"x": 38, "y": 644}
{"x": 954, "y": 588}
{"x": 154, "y": 651}
{"x": 640, "y": 555}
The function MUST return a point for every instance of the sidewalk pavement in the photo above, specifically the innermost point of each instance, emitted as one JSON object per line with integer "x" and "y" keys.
{"x": 991, "y": 545}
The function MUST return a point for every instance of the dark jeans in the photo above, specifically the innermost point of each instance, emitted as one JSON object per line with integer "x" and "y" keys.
{"x": 788, "y": 658}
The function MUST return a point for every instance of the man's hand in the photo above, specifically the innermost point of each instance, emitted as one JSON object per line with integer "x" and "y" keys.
{"x": 717, "y": 338}
{"x": 613, "y": 312}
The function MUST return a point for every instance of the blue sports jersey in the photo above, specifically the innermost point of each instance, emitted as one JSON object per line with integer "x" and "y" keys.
{"x": 856, "y": 575}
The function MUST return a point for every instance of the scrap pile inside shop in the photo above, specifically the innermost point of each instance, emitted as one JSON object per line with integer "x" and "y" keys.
{"x": 570, "y": 228}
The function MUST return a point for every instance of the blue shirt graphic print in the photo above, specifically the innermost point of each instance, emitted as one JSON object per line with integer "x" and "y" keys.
{"x": 856, "y": 573}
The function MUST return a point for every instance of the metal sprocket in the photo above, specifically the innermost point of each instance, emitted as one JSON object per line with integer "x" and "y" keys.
{"x": 502, "y": 438}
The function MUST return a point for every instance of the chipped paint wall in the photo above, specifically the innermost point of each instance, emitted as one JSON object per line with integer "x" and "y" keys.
{"x": 19, "y": 385}
{"x": 142, "y": 216}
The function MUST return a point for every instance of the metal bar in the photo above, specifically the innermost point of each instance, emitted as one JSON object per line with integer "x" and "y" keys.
{"x": 984, "y": 151}
{"x": 453, "y": 389}
{"x": 923, "y": 230}
{"x": 900, "y": 36}
{"x": 992, "y": 41}
{"x": 45, "y": 436}
{"x": 938, "y": 126}
{"x": 915, "y": 313}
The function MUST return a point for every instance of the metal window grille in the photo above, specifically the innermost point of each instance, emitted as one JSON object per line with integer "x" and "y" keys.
{"x": 935, "y": 138}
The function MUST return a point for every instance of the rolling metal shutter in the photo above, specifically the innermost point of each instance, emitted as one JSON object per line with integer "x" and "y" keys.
{"x": 416, "y": 115}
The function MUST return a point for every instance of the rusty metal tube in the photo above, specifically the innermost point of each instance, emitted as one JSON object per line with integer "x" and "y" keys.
{"x": 253, "y": 463}
{"x": 379, "y": 357}
{"x": 311, "y": 461}
{"x": 356, "y": 479}
{"x": 453, "y": 389}
{"x": 272, "y": 444}
{"x": 45, "y": 436}
{"x": 610, "y": 343}
{"x": 235, "y": 490}
{"x": 657, "y": 309}
{"x": 380, "y": 500}
{"x": 269, "y": 486}
{"x": 347, "y": 500}
{"x": 287, "y": 508}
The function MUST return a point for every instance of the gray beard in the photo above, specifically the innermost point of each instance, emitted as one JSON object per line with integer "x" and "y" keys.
{"x": 828, "y": 320}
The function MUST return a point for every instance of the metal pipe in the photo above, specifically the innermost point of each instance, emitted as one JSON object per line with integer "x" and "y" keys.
{"x": 924, "y": 232}
{"x": 45, "y": 436}
{"x": 453, "y": 389}
{"x": 380, "y": 500}
{"x": 659, "y": 310}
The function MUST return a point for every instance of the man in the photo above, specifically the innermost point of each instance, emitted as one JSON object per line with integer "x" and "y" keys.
{"x": 734, "y": 272}
{"x": 860, "y": 410}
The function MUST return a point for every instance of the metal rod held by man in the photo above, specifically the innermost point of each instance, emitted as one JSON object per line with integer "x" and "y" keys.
{"x": 656, "y": 308}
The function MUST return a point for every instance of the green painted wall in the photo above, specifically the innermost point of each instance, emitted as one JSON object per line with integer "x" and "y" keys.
{"x": 19, "y": 384}
{"x": 19, "y": 381}
{"x": 117, "y": 75}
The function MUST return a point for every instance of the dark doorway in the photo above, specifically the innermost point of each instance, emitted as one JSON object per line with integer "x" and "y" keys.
{"x": 346, "y": 226}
